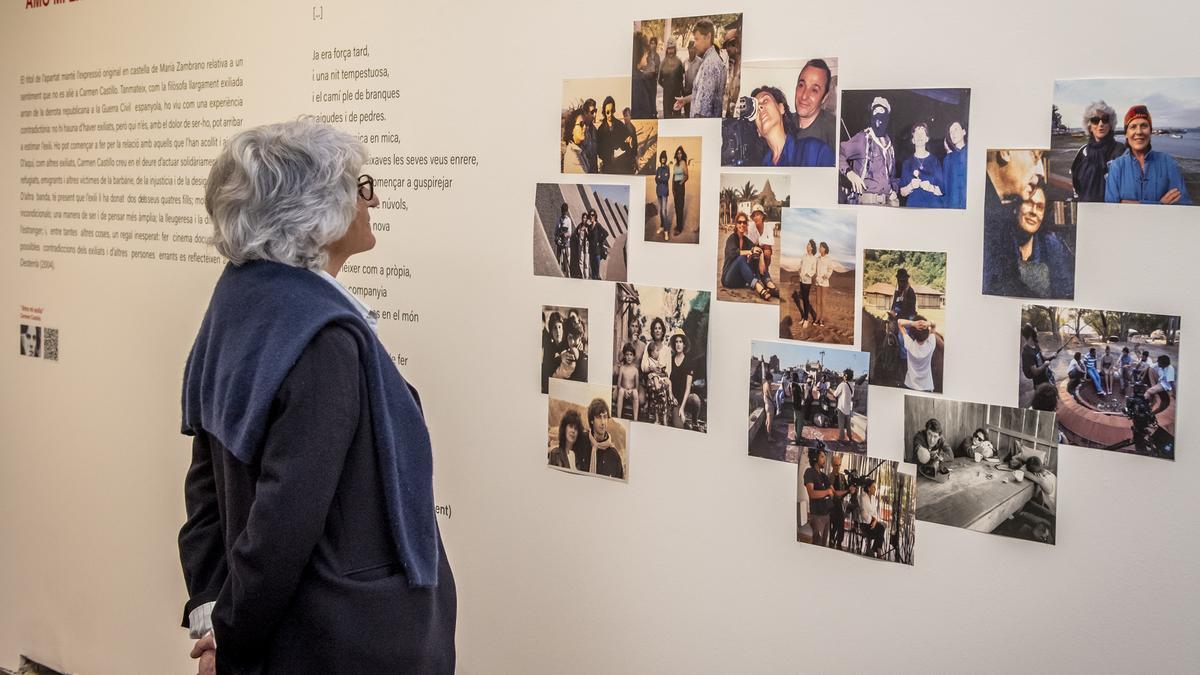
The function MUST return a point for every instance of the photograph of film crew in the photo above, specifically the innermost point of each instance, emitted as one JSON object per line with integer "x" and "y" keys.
{"x": 660, "y": 356}
{"x": 857, "y": 504}
{"x": 1127, "y": 140}
{"x": 785, "y": 115}
{"x": 687, "y": 66}
{"x": 1109, "y": 376}
{"x": 580, "y": 230}
{"x": 582, "y": 437}
{"x": 751, "y": 207}
{"x": 904, "y": 147}
{"x": 564, "y": 344}
{"x": 1028, "y": 229}
{"x": 803, "y": 396}
{"x": 981, "y": 467}
{"x": 598, "y": 131}
{"x": 904, "y": 317}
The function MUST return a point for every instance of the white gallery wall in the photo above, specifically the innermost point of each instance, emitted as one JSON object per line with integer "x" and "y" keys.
{"x": 693, "y": 565}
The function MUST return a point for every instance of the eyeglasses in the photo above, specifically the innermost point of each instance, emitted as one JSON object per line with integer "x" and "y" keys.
{"x": 366, "y": 187}
{"x": 1099, "y": 119}
{"x": 740, "y": 221}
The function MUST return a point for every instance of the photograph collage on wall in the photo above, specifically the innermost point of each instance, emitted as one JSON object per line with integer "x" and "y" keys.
{"x": 1110, "y": 376}
{"x": 751, "y": 207}
{"x": 582, "y": 436}
{"x": 856, "y": 504}
{"x": 564, "y": 344}
{"x": 803, "y": 397}
{"x": 580, "y": 231}
{"x": 986, "y": 468}
{"x": 1029, "y": 228}
{"x": 1127, "y": 140}
{"x": 686, "y": 66}
{"x": 904, "y": 147}
{"x": 817, "y": 276}
{"x": 785, "y": 115}
{"x": 904, "y": 317}
{"x": 660, "y": 356}
{"x": 599, "y": 132}
{"x": 673, "y": 192}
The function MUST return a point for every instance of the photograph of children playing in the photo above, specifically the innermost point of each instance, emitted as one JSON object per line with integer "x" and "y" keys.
{"x": 660, "y": 350}
{"x": 803, "y": 396}
{"x": 903, "y": 317}
{"x": 981, "y": 467}
{"x": 1110, "y": 376}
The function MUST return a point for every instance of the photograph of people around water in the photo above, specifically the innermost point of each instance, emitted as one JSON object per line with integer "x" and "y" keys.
{"x": 904, "y": 317}
{"x": 582, "y": 436}
{"x": 904, "y": 147}
{"x": 1029, "y": 229}
{"x": 564, "y": 344}
{"x": 580, "y": 231}
{"x": 785, "y": 115}
{"x": 686, "y": 67}
{"x": 856, "y": 504}
{"x": 806, "y": 397}
{"x": 1110, "y": 376}
{"x": 660, "y": 356}
{"x": 817, "y": 275}
{"x": 673, "y": 192}
{"x": 751, "y": 206}
{"x": 600, "y": 133}
{"x": 1127, "y": 140}
{"x": 981, "y": 467}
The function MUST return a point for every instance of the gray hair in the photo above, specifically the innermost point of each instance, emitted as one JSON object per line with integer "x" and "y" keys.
{"x": 1099, "y": 108}
{"x": 284, "y": 192}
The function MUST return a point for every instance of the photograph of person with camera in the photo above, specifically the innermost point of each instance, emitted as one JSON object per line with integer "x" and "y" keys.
{"x": 784, "y": 116}
{"x": 801, "y": 396}
{"x": 564, "y": 344}
{"x": 748, "y": 257}
{"x": 580, "y": 231}
{"x": 982, "y": 467}
{"x": 1110, "y": 376}
{"x": 856, "y": 504}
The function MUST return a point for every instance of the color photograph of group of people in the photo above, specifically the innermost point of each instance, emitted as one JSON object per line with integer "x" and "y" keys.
{"x": 817, "y": 275}
{"x": 986, "y": 468}
{"x": 1110, "y": 376}
{"x": 660, "y": 356}
{"x": 784, "y": 116}
{"x": 582, "y": 437}
{"x": 580, "y": 231}
{"x": 856, "y": 504}
{"x": 1127, "y": 140}
{"x": 904, "y": 147}
{"x": 687, "y": 66}
{"x": 1028, "y": 239}
{"x": 673, "y": 192}
{"x": 904, "y": 317}
{"x": 805, "y": 397}
{"x": 751, "y": 207}
{"x": 600, "y": 133}
{"x": 564, "y": 344}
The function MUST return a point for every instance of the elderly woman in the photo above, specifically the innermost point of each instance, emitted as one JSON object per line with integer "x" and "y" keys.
{"x": 1090, "y": 166}
{"x": 311, "y": 543}
{"x": 1142, "y": 175}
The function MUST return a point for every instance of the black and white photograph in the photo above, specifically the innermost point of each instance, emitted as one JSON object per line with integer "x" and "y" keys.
{"x": 785, "y": 115}
{"x": 580, "y": 231}
{"x": 564, "y": 344}
{"x": 31, "y": 340}
{"x": 857, "y": 504}
{"x": 904, "y": 147}
{"x": 1029, "y": 229}
{"x": 1111, "y": 376}
{"x": 982, "y": 467}
{"x": 581, "y": 436}
{"x": 660, "y": 356}
{"x": 805, "y": 396}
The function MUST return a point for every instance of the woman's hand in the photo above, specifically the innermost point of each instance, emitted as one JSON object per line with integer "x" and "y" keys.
{"x": 205, "y": 649}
